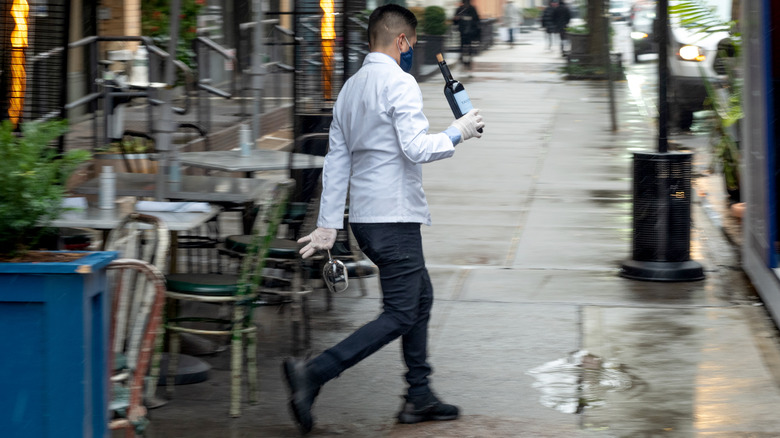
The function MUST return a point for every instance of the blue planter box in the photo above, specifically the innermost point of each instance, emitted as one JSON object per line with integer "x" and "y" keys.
{"x": 54, "y": 325}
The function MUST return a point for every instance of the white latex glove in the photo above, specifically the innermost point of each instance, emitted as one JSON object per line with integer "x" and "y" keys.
{"x": 319, "y": 240}
{"x": 468, "y": 125}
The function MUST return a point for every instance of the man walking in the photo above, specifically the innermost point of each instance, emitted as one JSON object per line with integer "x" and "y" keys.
{"x": 561, "y": 18}
{"x": 511, "y": 20}
{"x": 378, "y": 140}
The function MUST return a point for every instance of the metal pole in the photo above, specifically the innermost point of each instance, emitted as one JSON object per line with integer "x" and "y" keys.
{"x": 170, "y": 170}
{"x": 662, "y": 35}
{"x": 610, "y": 81}
{"x": 257, "y": 68}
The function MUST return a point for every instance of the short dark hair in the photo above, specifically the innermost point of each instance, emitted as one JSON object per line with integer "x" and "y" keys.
{"x": 387, "y": 21}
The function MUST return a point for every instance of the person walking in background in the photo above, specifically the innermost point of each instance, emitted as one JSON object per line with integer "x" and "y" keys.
{"x": 511, "y": 20}
{"x": 548, "y": 22}
{"x": 467, "y": 19}
{"x": 561, "y": 18}
{"x": 378, "y": 142}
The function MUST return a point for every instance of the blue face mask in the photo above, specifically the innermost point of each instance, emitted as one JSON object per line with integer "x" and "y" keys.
{"x": 407, "y": 57}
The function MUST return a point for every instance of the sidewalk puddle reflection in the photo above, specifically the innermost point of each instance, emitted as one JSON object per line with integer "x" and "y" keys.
{"x": 580, "y": 381}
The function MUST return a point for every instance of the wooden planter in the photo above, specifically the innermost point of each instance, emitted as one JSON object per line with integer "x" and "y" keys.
{"x": 133, "y": 163}
{"x": 55, "y": 323}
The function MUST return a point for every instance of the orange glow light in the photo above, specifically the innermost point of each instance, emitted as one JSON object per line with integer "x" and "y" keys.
{"x": 328, "y": 34}
{"x": 19, "y": 11}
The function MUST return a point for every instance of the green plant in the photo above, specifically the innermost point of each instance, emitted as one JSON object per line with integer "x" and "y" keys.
{"x": 576, "y": 70}
{"x": 32, "y": 178}
{"x": 155, "y": 22}
{"x": 581, "y": 29}
{"x": 727, "y": 110}
{"x": 434, "y": 21}
{"x": 531, "y": 13}
{"x": 129, "y": 145}
{"x": 726, "y": 102}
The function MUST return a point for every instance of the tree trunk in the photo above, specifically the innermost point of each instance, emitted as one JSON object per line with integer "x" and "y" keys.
{"x": 597, "y": 27}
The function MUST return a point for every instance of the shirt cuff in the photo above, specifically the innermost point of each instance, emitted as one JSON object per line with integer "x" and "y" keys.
{"x": 454, "y": 134}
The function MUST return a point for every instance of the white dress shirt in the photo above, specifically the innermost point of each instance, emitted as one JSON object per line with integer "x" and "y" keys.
{"x": 378, "y": 141}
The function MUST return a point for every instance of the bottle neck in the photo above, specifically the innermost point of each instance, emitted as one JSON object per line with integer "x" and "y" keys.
{"x": 445, "y": 71}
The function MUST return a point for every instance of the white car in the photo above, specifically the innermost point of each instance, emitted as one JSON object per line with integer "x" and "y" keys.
{"x": 696, "y": 55}
{"x": 619, "y": 9}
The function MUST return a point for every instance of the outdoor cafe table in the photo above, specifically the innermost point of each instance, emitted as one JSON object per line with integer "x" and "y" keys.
{"x": 222, "y": 190}
{"x": 259, "y": 160}
{"x": 101, "y": 219}
{"x": 108, "y": 219}
{"x": 191, "y": 369}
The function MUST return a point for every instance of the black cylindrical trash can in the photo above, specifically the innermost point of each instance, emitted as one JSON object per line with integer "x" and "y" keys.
{"x": 662, "y": 219}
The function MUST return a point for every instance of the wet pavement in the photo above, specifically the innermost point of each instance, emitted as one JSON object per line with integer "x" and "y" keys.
{"x": 533, "y": 333}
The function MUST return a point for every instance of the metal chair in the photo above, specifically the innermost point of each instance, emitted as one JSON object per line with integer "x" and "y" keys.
{"x": 143, "y": 237}
{"x": 240, "y": 290}
{"x": 138, "y": 298}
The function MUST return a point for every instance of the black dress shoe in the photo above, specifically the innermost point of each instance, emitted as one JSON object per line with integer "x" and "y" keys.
{"x": 428, "y": 409}
{"x": 303, "y": 391}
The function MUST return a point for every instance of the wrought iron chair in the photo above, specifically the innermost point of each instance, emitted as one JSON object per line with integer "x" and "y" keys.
{"x": 240, "y": 290}
{"x": 138, "y": 298}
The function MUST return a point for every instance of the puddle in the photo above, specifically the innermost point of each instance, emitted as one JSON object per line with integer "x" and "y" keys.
{"x": 579, "y": 381}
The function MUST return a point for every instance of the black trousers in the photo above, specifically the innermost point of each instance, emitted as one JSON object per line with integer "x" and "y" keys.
{"x": 407, "y": 297}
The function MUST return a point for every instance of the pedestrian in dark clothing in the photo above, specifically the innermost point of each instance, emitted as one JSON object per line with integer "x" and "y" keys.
{"x": 555, "y": 19}
{"x": 467, "y": 19}
{"x": 561, "y": 18}
{"x": 378, "y": 141}
{"x": 548, "y": 23}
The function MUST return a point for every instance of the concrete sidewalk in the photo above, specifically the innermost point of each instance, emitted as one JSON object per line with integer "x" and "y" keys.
{"x": 533, "y": 333}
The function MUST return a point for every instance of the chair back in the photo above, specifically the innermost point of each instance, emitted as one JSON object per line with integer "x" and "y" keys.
{"x": 266, "y": 224}
{"x": 138, "y": 297}
{"x": 141, "y": 237}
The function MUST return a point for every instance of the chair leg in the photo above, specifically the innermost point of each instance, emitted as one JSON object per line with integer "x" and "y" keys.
{"x": 236, "y": 351}
{"x": 251, "y": 363}
{"x": 154, "y": 372}
{"x": 173, "y": 361}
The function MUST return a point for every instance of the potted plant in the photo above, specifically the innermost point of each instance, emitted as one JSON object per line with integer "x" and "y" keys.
{"x": 578, "y": 38}
{"x": 531, "y": 16}
{"x": 32, "y": 182}
{"x": 433, "y": 28}
{"x": 131, "y": 154}
{"x": 54, "y": 313}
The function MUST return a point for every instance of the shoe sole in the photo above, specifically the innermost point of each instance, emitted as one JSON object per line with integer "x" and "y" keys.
{"x": 405, "y": 418}
{"x": 289, "y": 373}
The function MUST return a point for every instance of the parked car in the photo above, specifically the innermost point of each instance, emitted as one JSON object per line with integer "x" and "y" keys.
{"x": 642, "y": 34}
{"x": 619, "y": 10}
{"x": 696, "y": 55}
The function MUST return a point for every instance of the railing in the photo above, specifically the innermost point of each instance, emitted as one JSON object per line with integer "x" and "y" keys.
{"x": 98, "y": 89}
{"x": 203, "y": 48}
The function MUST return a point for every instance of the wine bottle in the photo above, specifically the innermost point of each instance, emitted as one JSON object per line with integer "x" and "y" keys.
{"x": 454, "y": 91}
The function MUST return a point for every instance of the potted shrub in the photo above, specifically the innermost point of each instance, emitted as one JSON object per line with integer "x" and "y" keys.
{"x": 54, "y": 314}
{"x": 433, "y": 28}
{"x": 32, "y": 182}
{"x": 578, "y": 38}
{"x": 131, "y": 154}
{"x": 531, "y": 16}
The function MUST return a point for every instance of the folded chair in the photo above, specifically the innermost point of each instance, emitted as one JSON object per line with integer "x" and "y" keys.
{"x": 138, "y": 297}
{"x": 144, "y": 237}
{"x": 240, "y": 290}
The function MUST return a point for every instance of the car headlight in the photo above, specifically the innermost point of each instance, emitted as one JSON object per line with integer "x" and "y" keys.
{"x": 691, "y": 53}
{"x": 638, "y": 35}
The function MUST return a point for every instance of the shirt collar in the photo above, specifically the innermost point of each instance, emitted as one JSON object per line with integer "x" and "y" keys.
{"x": 381, "y": 58}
